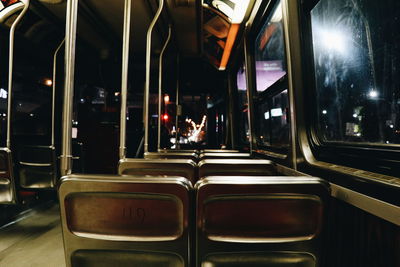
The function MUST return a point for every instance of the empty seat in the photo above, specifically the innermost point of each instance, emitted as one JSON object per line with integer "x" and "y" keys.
{"x": 223, "y": 155}
{"x": 178, "y": 151}
{"x": 173, "y": 167}
{"x": 171, "y": 155}
{"x": 7, "y": 182}
{"x": 260, "y": 221}
{"x": 125, "y": 220}
{"x": 37, "y": 167}
{"x": 236, "y": 167}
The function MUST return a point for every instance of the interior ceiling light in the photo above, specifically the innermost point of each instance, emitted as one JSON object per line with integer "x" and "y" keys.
{"x": 9, "y": 8}
{"x": 233, "y": 9}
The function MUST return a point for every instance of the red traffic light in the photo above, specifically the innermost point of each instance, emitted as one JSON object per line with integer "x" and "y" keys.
{"x": 165, "y": 117}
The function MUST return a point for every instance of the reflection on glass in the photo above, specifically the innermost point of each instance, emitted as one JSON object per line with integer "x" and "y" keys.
{"x": 357, "y": 65}
{"x": 280, "y": 120}
{"x": 244, "y": 133}
{"x": 270, "y": 51}
{"x": 263, "y": 129}
{"x": 273, "y": 121}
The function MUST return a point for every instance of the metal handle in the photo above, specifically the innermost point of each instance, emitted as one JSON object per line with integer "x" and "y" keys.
{"x": 125, "y": 74}
{"x": 160, "y": 85}
{"x": 10, "y": 69}
{"x": 147, "y": 85}
{"x": 53, "y": 101}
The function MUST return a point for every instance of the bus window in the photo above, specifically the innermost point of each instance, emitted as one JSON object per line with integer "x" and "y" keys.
{"x": 280, "y": 119}
{"x": 272, "y": 128}
{"x": 356, "y": 68}
{"x": 270, "y": 51}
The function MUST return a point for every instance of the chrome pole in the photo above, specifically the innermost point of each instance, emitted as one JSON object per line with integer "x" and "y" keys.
{"x": 53, "y": 101}
{"x": 177, "y": 102}
{"x": 250, "y": 87}
{"x": 11, "y": 68}
{"x": 70, "y": 44}
{"x": 160, "y": 68}
{"x": 148, "y": 68}
{"x": 125, "y": 76}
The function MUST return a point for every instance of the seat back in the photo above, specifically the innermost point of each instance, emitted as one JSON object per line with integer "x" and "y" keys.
{"x": 219, "y": 151}
{"x": 173, "y": 167}
{"x": 37, "y": 167}
{"x": 236, "y": 167}
{"x": 260, "y": 221}
{"x": 125, "y": 220}
{"x": 171, "y": 155}
{"x": 178, "y": 151}
{"x": 223, "y": 155}
{"x": 7, "y": 182}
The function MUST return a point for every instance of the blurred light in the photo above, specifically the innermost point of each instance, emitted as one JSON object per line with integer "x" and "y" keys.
{"x": 355, "y": 115}
{"x": 166, "y": 98}
{"x": 117, "y": 93}
{"x": 324, "y": 112}
{"x": 333, "y": 40}
{"x": 48, "y": 82}
{"x": 3, "y": 93}
{"x": 276, "y": 112}
{"x": 165, "y": 117}
{"x": 266, "y": 115}
{"x": 277, "y": 16}
{"x": 82, "y": 100}
{"x": 31, "y": 114}
{"x": 373, "y": 94}
{"x": 391, "y": 126}
{"x": 387, "y": 142}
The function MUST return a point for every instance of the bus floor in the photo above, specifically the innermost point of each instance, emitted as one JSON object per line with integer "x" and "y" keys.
{"x": 33, "y": 240}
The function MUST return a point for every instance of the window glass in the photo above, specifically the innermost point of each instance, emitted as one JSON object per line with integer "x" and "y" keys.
{"x": 263, "y": 121}
{"x": 270, "y": 51}
{"x": 244, "y": 133}
{"x": 280, "y": 120}
{"x": 357, "y": 68}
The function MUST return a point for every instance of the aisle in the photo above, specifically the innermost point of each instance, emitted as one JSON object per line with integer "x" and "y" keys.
{"x": 33, "y": 241}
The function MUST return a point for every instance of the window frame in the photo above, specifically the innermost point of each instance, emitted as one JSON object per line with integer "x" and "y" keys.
{"x": 374, "y": 157}
{"x": 281, "y": 152}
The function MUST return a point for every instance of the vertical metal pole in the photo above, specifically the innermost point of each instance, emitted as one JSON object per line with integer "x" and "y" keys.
{"x": 249, "y": 86}
{"x": 11, "y": 69}
{"x": 125, "y": 75}
{"x": 231, "y": 111}
{"x": 177, "y": 102}
{"x": 148, "y": 69}
{"x": 53, "y": 100}
{"x": 160, "y": 68}
{"x": 70, "y": 44}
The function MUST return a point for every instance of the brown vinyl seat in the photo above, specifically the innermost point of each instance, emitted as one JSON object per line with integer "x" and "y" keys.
{"x": 37, "y": 167}
{"x": 260, "y": 221}
{"x": 236, "y": 167}
{"x": 174, "y": 167}
{"x": 125, "y": 220}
